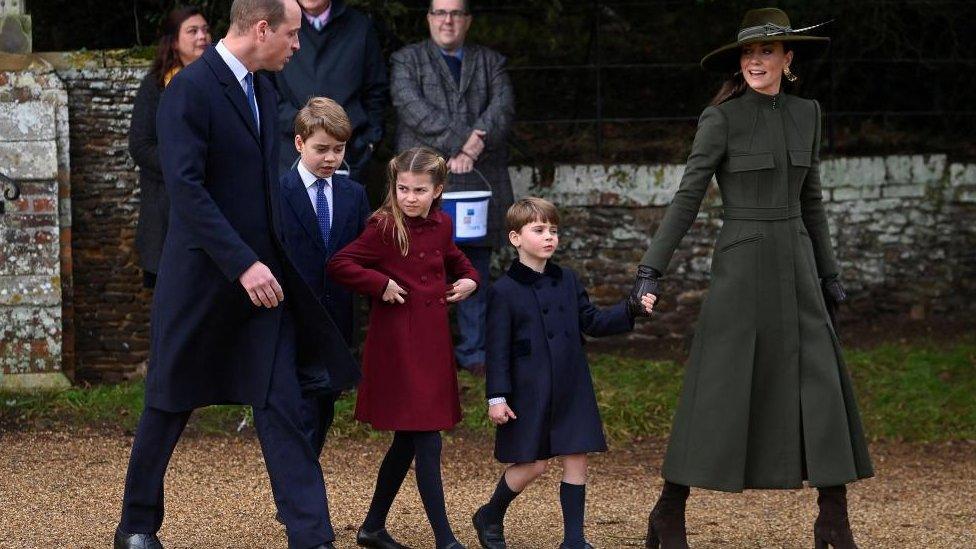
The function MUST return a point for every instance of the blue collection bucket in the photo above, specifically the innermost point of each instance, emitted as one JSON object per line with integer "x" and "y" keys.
{"x": 469, "y": 211}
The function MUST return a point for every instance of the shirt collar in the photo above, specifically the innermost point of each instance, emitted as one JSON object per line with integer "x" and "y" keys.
{"x": 323, "y": 17}
{"x": 309, "y": 178}
{"x": 235, "y": 65}
{"x": 459, "y": 53}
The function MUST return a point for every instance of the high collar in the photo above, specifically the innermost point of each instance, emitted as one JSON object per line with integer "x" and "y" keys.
{"x": 763, "y": 100}
{"x": 433, "y": 218}
{"x": 524, "y": 275}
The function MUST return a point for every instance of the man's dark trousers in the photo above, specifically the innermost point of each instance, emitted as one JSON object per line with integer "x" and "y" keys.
{"x": 296, "y": 476}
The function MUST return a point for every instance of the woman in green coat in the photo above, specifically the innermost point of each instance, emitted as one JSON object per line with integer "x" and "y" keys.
{"x": 767, "y": 402}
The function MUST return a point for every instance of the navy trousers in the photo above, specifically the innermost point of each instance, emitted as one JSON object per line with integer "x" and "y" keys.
{"x": 472, "y": 312}
{"x": 293, "y": 465}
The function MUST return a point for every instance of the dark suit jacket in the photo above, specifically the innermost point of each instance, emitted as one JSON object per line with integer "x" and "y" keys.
{"x": 303, "y": 241}
{"x": 153, "y": 202}
{"x": 434, "y": 111}
{"x": 209, "y": 343}
{"x": 343, "y": 62}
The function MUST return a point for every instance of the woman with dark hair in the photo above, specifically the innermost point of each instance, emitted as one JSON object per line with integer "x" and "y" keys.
{"x": 767, "y": 401}
{"x": 183, "y": 38}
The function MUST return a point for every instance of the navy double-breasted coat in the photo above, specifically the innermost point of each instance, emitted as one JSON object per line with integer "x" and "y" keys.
{"x": 535, "y": 359}
{"x": 210, "y": 344}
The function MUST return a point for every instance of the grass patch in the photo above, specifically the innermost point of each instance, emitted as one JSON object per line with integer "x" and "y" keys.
{"x": 918, "y": 393}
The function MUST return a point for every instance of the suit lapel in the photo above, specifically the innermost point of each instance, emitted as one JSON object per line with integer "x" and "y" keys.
{"x": 467, "y": 66}
{"x": 232, "y": 89}
{"x": 437, "y": 60}
{"x": 341, "y": 198}
{"x": 297, "y": 198}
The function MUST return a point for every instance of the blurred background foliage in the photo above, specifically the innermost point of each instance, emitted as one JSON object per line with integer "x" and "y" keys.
{"x": 618, "y": 81}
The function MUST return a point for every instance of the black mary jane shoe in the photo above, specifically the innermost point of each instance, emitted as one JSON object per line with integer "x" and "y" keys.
{"x": 380, "y": 539}
{"x": 490, "y": 535}
{"x": 124, "y": 540}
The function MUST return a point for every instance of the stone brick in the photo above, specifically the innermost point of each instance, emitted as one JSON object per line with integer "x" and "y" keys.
{"x": 904, "y": 191}
{"x": 845, "y": 193}
{"x": 929, "y": 170}
{"x": 29, "y": 159}
{"x": 852, "y": 172}
{"x": 962, "y": 174}
{"x": 31, "y": 121}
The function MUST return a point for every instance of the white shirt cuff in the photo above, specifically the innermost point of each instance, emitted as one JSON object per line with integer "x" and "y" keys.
{"x": 496, "y": 400}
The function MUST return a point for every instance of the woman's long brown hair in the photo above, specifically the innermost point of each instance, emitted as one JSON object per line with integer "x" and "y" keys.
{"x": 169, "y": 33}
{"x": 418, "y": 160}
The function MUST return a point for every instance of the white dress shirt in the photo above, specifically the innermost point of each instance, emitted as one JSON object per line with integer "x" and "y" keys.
{"x": 309, "y": 179}
{"x": 240, "y": 72}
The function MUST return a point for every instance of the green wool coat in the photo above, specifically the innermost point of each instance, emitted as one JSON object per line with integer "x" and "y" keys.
{"x": 767, "y": 401}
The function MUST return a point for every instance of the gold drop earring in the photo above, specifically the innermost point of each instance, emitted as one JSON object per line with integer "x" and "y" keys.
{"x": 789, "y": 74}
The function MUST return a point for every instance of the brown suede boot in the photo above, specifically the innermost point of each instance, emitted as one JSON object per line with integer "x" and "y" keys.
{"x": 832, "y": 527}
{"x": 666, "y": 522}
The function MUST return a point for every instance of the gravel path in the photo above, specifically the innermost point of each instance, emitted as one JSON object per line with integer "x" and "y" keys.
{"x": 63, "y": 490}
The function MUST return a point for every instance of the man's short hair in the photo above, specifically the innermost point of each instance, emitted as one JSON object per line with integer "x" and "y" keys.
{"x": 464, "y": 5}
{"x": 325, "y": 114}
{"x": 244, "y": 14}
{"x": 530, "y": 210}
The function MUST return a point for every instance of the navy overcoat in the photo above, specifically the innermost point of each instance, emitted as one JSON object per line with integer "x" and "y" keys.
{"x": 210, "y": 344}
{"x": 536, "y": 360}
{"x": 303, "y": 240}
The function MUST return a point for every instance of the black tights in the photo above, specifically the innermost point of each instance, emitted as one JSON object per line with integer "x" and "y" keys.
{"x": 425, "y": 446}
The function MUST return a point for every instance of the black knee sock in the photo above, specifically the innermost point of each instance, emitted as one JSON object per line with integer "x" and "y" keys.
{"x": 427, "y": 448}
{"x": 394, "y": 468}
{"x": 494, "y": 511}
{"x": 572, "y": 497}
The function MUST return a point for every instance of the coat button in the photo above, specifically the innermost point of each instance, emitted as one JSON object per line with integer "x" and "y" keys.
{"x": 428, "y": 303}
{"x": 423, "y": 278}
{"x": 442, "y": 301}
{"x": 551, "y": 335}
{"x": 422, "y": 255}
{"x": 545, "y": 310}
{"x": 437, "y": 252}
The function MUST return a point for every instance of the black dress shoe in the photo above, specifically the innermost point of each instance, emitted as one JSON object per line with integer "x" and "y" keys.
{"x": 325, "y": 546}
{"x": 125, "y": 540}
{"x": 380, "y": 539}
{"x": 455, "y": 545}
{"x": 490, "y": 536}
{"x": 586, "y": 545}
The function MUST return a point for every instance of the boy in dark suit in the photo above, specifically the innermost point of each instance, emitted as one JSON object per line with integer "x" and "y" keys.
{"x": 322, "y": 212}
{"x": 540, "y": 393}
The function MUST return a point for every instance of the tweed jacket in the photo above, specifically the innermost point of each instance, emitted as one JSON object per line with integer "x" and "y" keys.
{"x": 434, "y": 111}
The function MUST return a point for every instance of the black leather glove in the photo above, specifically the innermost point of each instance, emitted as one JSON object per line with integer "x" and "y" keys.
{"x": 834, "y": 295}
{"x": 647, "y": 282}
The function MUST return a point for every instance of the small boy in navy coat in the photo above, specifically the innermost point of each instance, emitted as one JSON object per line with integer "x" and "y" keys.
{"x": 322, "y": 212}
{"x": 540, "y": 392}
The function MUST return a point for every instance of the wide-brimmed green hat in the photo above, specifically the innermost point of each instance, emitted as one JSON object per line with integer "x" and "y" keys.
{"x": 764, "y": 25}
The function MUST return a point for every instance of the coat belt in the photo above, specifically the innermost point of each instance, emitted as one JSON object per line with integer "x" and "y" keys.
{"x": 775, "y": 213}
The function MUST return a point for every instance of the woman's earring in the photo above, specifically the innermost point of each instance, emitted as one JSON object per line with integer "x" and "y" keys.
{"x": 789, "y": 74}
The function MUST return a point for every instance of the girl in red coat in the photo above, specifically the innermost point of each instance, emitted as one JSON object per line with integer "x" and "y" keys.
{"x": 409, "y": 381}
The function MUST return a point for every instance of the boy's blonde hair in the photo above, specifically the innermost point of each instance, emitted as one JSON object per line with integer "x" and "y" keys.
{"x": 322, "y": 113}
{"x": 530, "y": 210}
{"x": 418, "y": 160}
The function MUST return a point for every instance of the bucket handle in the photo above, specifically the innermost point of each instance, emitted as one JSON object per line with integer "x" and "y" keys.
{"x": 481, "y": 176}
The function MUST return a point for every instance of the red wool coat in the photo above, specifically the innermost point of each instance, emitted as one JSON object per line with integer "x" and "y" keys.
{"x": 409, "y": 374}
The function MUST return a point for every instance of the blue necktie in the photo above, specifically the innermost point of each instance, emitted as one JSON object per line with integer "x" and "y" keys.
{"x": 322, "y": 211}
{"x": 251, "y": 101}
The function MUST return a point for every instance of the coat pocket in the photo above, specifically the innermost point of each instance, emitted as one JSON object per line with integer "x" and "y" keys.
{"x": 740, "y": 241}
{"x": 521, "y": 347}
{"x": 800, "y": 157}
{"x": 750, "y": 162}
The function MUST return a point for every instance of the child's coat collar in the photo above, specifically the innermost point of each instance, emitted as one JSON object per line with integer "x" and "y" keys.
{"x": 524, "y": 275}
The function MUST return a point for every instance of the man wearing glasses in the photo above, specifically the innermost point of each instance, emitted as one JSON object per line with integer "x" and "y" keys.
{"x": 457, "y": 99}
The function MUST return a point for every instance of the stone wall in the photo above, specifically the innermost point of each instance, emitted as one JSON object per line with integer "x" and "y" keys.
{"x": 904, "y": 228}
{"x": 35, "y": 230}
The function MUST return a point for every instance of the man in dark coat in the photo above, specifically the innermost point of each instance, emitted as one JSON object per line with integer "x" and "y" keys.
{"x": 457, "y": 99}
{"x": 221, "y": 332}
{"x": 340, "y": 59}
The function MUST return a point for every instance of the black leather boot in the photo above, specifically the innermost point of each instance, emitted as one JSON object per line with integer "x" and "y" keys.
{"x": 832, "y": 527}
{"x": 125, "y": 540}
{"x": 666, "y": 522}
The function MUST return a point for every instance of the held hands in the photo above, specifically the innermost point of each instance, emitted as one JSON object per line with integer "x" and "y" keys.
{"x": 261, "y": 286}
{"x": 475, "y": 144}
{"x": 500, "y": 413}
{"x": 461, "y": 290}
{"x": 646, "y": 289}
{"x": 394, "y": 293}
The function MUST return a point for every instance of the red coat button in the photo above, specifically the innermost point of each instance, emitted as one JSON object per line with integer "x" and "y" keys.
{"x": 422, "y": 255}
{"x": 423, "y": 278}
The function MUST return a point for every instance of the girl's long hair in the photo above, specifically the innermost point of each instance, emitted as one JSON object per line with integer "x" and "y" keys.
{"x": 417, "y": 160}
{"x": 169, "y": 33}
{"x": 736, "y": 85}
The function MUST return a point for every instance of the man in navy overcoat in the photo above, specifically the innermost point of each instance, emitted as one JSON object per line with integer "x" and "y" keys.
{"x": 232, "y": 321}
